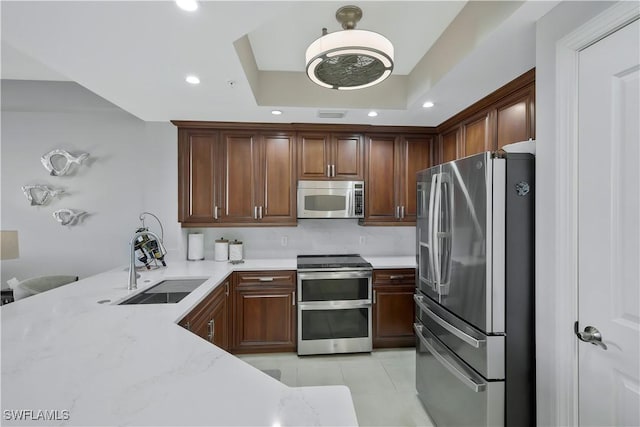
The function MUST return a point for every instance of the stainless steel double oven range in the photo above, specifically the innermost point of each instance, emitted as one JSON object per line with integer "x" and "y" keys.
{"x": 334, "y": 304}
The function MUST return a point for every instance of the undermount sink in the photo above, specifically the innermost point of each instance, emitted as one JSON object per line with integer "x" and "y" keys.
{"x": 168, "y": 291}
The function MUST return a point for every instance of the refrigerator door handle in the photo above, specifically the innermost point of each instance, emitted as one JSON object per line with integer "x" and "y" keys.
{"x": 430, "y": 264}
{"x": 477, "y": 343}
{"x": 434, "y": 233}
{"x": 452, "y": 366}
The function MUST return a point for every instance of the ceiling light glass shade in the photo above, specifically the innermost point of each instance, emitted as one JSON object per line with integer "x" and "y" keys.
{"x": 349, "y": 59}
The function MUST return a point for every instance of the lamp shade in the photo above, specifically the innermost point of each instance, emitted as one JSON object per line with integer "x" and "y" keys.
{"x": 9, "y": 244}
{"x": 349, "y": 59}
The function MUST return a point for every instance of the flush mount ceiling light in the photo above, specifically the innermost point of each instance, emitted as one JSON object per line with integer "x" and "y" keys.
{"x": 349, "y": 59}
{"x": 428, "y": 104}
{"x": 188, "y": 5}
{"x": 191, "y": 79}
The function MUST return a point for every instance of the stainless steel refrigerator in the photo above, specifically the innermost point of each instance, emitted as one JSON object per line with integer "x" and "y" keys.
{"x": 475, "y": 354}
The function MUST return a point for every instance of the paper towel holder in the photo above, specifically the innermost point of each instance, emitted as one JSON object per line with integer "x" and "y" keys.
{"x": 195, "y": 247}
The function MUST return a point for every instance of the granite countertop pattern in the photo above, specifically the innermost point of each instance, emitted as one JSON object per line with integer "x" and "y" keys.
{"x": 89, "y": 363}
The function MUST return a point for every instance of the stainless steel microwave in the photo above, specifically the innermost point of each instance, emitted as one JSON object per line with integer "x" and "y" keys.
{"x": 330, "y": 199}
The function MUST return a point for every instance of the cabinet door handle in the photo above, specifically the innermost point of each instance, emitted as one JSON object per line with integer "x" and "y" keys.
{"x": 226, "y": 289}
{"x": 397, "y": 212}
{"x": 187, "y": 326}
{"x": 255, "y": 212}
{"x": 212, "y": 330}
{"x": 402, "y": 212}
{"x": 260, "y": 212}
{"x": 374, "y": 297}
{"x": 215, "y": 212}
{"x": 293, "y": 299}
{"x": 329, "y": 171}
{"x": 333, "y": 170}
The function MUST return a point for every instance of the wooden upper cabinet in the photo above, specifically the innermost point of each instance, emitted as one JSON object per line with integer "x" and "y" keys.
{"x": 449, "y": 145}
{"x": 381, "y": 178}
{"x": 415, "y": 155}
{"x": 313, "y": 156}
{"x": 260, "y": 184}
{"x": 347, "y": 157}
{"x": 234, "y": 177}
{"x": 200, "y": 181}
{"x": 391, "y": 163}
{"x": 502, "y": 117}
{"x": 277, "y": 184}
{"x": 515, "y": 118}
{"x": 323, "y": 156}
{"x": 241, "y": 157}
{"x": 476, "y": 135}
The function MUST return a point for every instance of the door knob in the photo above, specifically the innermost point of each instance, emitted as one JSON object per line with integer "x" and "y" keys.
{"x": 591, "y": 334}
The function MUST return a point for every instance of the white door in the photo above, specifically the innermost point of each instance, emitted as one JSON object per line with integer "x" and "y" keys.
{"x": 609, "y": 230}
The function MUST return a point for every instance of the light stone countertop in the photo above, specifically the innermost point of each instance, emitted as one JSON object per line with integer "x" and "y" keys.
{"x": 104, "y": 364}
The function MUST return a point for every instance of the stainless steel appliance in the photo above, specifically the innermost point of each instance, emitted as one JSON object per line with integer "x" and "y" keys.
{"x": 474, "y": 296}
{"x": 334, "y": 304}
{"x": 330, "y": 199}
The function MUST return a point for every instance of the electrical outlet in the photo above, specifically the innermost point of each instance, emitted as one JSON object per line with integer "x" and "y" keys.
{"x": 363, "y": 240}
{"x": 284, "y": 240}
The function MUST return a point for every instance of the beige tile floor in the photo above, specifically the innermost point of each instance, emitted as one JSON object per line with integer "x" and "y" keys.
{"x": 382, "y": 383}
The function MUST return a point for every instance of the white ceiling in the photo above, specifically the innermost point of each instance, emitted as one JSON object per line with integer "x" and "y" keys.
{"x": 137, "y": 54}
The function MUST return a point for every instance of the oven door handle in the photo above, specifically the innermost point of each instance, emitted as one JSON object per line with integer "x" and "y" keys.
{"x": 352, "y": 274}
{"x": 477, "y": 343}
{"x": 467, "y": 378}
{"x": 333, "y": 305}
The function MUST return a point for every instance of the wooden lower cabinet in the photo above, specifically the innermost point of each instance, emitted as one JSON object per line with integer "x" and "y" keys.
{"x": 210, "y": 319}
{"x": 264, "y": 312}
{"x": 393, "y": 308}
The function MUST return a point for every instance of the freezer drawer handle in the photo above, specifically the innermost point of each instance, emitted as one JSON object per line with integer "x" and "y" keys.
{"x": 455, "y": 331}
{"x": 467, "y": 380}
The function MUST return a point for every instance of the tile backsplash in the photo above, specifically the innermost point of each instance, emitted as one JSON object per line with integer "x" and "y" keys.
{"x": 311, "y": 236}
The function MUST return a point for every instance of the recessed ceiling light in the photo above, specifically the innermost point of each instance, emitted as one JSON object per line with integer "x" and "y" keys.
{"x": 276, "y": 112}
{"x": 427, "y": 104}
{"x": 188, "y": 5}
{"x": 194, "y": 80}
{"x": 372, "y": 114}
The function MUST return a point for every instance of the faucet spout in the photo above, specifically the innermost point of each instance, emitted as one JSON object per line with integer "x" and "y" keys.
{"x": 133, "y": 283}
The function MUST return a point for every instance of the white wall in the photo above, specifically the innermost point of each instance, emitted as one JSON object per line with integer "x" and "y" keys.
{"x": 38, "y": 117}
{"x": 566, "y": 17}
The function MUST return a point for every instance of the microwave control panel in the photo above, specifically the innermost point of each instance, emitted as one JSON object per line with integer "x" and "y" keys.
{"x": 358, "y": 195}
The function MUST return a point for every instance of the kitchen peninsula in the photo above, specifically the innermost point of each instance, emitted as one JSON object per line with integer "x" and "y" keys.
{"x": 72, "y": 349}
{"x": 75, "y": 355}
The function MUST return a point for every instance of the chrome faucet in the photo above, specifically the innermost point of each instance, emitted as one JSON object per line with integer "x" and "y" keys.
{"x": 133, "y": 284}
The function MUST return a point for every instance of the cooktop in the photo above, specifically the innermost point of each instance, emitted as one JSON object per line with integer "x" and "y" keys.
{"x": 341, "y": 261}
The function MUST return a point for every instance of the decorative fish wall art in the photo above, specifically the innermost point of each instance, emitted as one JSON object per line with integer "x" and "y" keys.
{"x": 69, "y": 216}
{"x": 39, "y": 195}
{"x": 55, "y": 156}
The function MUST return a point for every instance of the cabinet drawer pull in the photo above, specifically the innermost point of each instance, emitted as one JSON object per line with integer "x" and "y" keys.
{"x": 265, "y": 279}
{"x": 400, "y": 276}
{"x": 212, "y": 330}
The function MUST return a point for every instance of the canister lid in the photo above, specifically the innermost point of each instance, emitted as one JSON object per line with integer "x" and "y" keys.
{"x": 236, "y": 242}
{"x": 222, "y": 240}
